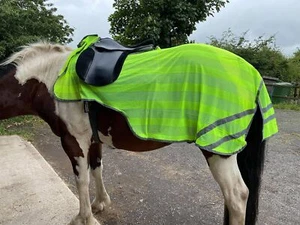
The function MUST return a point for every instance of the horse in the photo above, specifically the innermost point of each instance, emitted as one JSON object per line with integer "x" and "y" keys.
{"x": 26, "y": 88}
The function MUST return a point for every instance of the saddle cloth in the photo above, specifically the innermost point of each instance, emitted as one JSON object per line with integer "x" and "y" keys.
{"x": 194, "y": 92}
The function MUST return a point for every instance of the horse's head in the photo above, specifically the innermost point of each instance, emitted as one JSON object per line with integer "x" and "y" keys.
{"x": 27, "y": 74}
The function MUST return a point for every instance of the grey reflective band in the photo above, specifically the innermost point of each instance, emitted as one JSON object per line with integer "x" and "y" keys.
{"x": 225, "y": 120}
{"x": 260, "y": 85}
{"x": 259, "y": 89}
{"x": 224, "y": 139}
{"x": 269, "y": 118}
{"x": 267, "y": 108}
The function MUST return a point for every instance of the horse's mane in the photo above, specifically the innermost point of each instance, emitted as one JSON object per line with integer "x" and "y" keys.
{"x": 41, "y": 61}
{"x": 28, "y": 51}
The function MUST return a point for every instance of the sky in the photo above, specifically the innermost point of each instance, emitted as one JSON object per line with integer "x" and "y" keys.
{"x": 258, "y": 17}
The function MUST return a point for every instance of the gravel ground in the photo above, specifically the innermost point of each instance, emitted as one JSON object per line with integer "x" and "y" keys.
{"x": 173, "y": 186}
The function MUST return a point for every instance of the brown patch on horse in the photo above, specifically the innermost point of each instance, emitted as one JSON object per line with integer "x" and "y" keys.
{"x": 7, "y": 70}
{"x": 115, "y": 124}
{"x": 208, "y": 154}
{"x": 95, "y": 155}
{"x": 44, "y": 106}
{"x": 33, "y": 98}
{"x": 72, "y": 149}
{"x": 15, "y": 99}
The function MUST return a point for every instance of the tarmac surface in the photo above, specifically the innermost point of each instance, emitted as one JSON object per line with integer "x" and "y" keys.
{"x": 174, "y": 186}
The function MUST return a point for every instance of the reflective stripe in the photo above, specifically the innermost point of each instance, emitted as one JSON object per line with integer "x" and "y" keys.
{"x": 259, "y": 88}
{"x": 269, "y": 118}
{"x": 267, "y": 108}
{"x": 225, "y": 120}
{"x": 224, "y": 139}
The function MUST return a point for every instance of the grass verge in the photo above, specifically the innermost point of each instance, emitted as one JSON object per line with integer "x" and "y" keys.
{"x": 295, "y": 107}
{"x": 22, "y": 126}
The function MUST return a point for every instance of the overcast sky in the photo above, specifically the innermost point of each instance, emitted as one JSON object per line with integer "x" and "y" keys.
{"x": 260, "y": 17}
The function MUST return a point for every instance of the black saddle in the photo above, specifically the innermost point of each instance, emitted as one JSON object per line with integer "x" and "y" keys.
{"x": 101, "y": 63}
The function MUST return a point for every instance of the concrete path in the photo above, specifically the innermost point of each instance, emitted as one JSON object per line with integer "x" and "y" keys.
{"x": 31, "y": 193}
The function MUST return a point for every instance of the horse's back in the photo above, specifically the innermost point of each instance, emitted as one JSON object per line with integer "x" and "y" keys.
{"x": 190, "y": 60}
{"x": 184, "y": 93}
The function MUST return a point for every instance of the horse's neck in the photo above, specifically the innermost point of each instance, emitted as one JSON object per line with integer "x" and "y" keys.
{"x": 27, "y": 89}
{"x": 45, "y": 69}
{"x": 15, "y": 98}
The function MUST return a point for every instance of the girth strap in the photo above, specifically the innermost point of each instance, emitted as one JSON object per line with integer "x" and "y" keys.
{"x": 92, "y": 110}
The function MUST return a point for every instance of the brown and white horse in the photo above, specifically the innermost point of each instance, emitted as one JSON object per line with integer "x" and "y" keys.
{"x": 26, "y": 82}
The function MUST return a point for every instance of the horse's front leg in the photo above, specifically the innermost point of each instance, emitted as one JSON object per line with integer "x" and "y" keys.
{"x": 226, "y": 172}
{"x": 77, "y": 151}
{"x": 102, "y": 199}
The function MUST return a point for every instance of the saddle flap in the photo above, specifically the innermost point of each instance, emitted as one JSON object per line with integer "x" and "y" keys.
{"x": 97, "y": 69}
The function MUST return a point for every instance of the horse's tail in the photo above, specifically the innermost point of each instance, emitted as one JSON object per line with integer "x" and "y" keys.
{"x": 251, "y": 164}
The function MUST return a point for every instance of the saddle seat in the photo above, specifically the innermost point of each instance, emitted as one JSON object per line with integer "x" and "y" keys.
{"x": 101, "y": 63}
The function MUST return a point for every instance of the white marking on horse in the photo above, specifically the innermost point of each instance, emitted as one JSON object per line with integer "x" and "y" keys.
{"x": 102, "y": 198}
{"x": 107, "y": 139}
{"x": 48, "y": 66}
{"x": 226, "y": 172}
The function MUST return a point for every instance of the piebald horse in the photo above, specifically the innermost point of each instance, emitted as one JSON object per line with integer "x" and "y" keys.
{"x": 26, "y": 84}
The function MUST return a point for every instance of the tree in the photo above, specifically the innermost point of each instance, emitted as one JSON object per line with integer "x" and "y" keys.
{"x": 167, "y": 22}
{"x": 294, "y": 67}
{"x": 262, "y": 53}
{"x": 25, "y": 21}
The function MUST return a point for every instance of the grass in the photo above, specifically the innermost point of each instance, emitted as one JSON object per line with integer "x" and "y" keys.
{"x": 22, "y": 126}
{"x": 289, "y": 106}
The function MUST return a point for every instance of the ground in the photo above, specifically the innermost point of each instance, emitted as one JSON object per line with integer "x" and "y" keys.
{"x": 174, "y": 186}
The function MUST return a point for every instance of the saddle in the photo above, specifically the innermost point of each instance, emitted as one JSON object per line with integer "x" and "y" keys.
{"x": 101, "y": 63}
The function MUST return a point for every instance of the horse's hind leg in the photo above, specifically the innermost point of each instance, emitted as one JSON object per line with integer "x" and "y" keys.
{"x": 227, "y": 174}
{"x": 102, "y": 199}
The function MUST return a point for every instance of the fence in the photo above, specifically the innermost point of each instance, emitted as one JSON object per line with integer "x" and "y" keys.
{"x": 284, "y": 92}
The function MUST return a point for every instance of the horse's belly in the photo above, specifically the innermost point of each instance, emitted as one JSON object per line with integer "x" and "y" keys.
{"x": 117, "y": 134}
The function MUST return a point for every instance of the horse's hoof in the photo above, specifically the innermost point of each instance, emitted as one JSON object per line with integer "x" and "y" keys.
{"x": 100, "y": 205}
{"x": 78, "y": 220}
